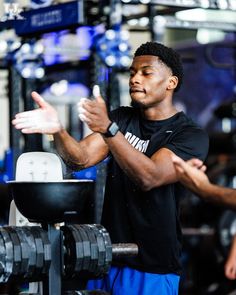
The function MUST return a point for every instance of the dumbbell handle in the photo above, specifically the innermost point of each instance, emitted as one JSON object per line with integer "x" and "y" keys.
{"x": 120, "y": 250}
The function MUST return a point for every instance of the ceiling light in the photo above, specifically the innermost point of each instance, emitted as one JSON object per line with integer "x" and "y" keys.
{"x": 222, "y": 4}
{"x": 110, "y": 34}
{"x": 25, "y": 48}
{"x": 207, "y": 15}
{"x": 198, "y": 14}
{"x": 143, "y": 21}
{"x": 3, "y": 46}
{"x": 204, "y": 3}
{"x": 132, "y": 22}
{"x": 123, "y": 47}
{"x": 26, "y": 72}
{"x": 110, "y": 60}
{"x": 205, "y": 36}
{"x": 232, "y": 4}
{"x": 39, "y": 73}
{"x": 145, "y": 1}
{"x": 125, "y": 61}
{"x": 38, "y": 48}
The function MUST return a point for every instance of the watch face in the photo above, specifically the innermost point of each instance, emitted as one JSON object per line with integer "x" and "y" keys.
{"x": 113, "y": 129}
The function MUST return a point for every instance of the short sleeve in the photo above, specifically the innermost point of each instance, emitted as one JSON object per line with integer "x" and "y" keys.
{"x": 191, "y": 142}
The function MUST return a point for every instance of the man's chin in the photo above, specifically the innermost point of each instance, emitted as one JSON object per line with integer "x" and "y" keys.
{"x": 138, "y": 104}
{"x": 135, "y": 104}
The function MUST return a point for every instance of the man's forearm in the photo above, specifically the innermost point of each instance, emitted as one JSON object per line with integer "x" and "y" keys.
{"x": 70, "y": 150}
{"x": 144, "y": 171}
{"x": 219, "y": 195}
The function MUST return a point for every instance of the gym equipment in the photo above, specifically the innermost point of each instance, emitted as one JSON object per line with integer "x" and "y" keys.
{"x": 86, "y": 249}
{"x": 54, "y": 253}
{"x": 24, "y": 253}
{"x": 49, "y": 201}
{"x": 34, "y": 166}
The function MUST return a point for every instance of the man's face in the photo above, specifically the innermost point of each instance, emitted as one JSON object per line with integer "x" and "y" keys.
{"x": 149, "y": 80}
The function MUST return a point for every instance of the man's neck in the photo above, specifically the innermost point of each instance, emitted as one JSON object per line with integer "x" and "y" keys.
{"x": 155, "y": 114}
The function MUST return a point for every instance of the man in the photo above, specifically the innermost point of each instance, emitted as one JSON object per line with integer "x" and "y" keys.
{"x": 191, "y": 174}
{"x": 141, "y": 197}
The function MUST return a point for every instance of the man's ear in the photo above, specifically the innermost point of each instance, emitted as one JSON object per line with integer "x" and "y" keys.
{"x": 173, "y": 82}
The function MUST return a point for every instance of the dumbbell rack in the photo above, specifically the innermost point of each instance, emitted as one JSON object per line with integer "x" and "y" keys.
{"x": 54, "y": 277}
{"x": 58, "y": 253}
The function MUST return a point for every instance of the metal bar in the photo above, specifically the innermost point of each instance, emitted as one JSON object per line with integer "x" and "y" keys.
{"x": 124, "y": 249}
{"x": 205, "y": 231}
{"x": 54, "y": 280}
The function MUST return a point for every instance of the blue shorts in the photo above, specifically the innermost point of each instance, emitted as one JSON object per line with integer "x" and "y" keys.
{"x": 125, "y": 280}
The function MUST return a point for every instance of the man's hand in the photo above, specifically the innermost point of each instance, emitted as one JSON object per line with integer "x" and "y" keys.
{"x": 42, "y": 120}
{"x": 94, "y": 112}
{"x": 191, "y": 173}
{"x": 230, "y": 265}
{"x": 230, "y": 268}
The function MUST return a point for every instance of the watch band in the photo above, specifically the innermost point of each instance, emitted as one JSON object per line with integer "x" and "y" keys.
{"x": 112, "y": 130}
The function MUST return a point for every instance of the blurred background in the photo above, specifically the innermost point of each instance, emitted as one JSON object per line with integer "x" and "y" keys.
{"x": 62, "y": 48}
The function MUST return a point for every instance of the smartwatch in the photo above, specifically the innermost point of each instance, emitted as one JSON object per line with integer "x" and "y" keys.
{"x": 112, "y": 129}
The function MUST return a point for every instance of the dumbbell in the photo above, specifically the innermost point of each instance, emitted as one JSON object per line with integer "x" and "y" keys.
{"x": 88, "y": 248}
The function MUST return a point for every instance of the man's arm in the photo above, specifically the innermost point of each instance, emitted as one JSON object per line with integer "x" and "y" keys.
{"x": 191, "y": 174}
{"x": 85, "y": 153}
{"x": 146, "y": 172}
{"x": 45, "y": 120}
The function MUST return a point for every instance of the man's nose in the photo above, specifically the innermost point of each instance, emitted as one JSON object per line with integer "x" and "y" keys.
{"x": 135, "y": 79}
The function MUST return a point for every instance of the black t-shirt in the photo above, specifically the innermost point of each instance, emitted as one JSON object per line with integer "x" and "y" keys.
{"x": 150, "y": 219}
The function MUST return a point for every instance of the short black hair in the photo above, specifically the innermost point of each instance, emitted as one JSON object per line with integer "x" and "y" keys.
{"x": 167, "y": 55}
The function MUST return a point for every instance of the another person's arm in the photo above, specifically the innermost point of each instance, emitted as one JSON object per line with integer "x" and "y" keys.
{"x": 230, "y": 265}
{"x": 191, "y": 174}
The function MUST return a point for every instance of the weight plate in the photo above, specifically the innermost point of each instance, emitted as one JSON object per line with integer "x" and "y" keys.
{"x": 86, "y": 247}
{"x": 79, "y": 250}
{"x": 101, "y": 250}
{"x": 83, "y": 228}
{"x": 108, "y": 246}
{"x": 80, "y": 263}
{"x": 9, "y": 254}
{"x": 46, "y": 249}
{"x": 25, "y": 251}
{"x": 69, "y": 251}
{"x": 39, "y": 249}
{"x": 16, "y": 250}
{"x": 2, "y": 258}
{"x": 93, "y": 248}
{"x": 104, "y": 269}
{"x": 32, "y": 251}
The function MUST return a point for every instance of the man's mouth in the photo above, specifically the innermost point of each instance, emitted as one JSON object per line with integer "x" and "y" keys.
{"x": 134, "y": 90}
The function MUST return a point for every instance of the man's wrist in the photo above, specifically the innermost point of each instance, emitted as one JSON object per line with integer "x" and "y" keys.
{"x": 112, "y": 130}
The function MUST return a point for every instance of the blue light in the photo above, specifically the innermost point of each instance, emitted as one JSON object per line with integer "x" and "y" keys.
{"x": 113, "y": 48}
